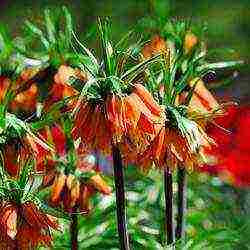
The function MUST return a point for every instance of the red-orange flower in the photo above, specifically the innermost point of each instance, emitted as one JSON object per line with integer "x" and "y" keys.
{"x": 61, "y": 88}
{"x": 155, "y": 46}
{"x": 4, "y": 85}
{"x": 69, "y": 192}
{"x": 14, "y": 152}
{"x": 17, "y": 151}
{"x": 170, "y": 147}
{"x": 190, "y": 41}
{"x": 26, "y": 100}
{"x": 202, "y": 101}
{"x": 24, "y": 226}
{"x": 134, "y": 117}
{"x": 233, "y": 150}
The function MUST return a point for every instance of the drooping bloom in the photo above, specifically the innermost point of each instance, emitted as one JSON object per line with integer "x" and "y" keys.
{"x": 115, "y": 109}
{"x": 71, "y": 187}
{"x": 61, "y": 88}
{"x": 70, "y": 192}
{"x": 16, "y": 151}
{"x": 181, "y": 139}
{"x": 133, "y": 117}
{"x": 177, "y": 145}
{"x": 190, "y": 41}
{"x": 24, "y": 226}
{"x": 26, "y": 100}
{"x": 75, "y": 189}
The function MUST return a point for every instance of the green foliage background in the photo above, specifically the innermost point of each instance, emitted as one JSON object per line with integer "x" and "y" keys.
{"x": 218, "y": 215}
{"x": 227, "y": 21}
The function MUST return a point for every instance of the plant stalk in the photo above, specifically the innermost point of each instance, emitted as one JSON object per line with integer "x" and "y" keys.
{"x": 74, "y": 230}
{"x": 120, "y": 199}
{"x": 168, "y": 190}
{"x": 181, "y": 202}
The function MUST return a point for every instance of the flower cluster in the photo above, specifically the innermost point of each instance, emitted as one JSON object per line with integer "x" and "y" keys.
{"x": 141, "y": 104}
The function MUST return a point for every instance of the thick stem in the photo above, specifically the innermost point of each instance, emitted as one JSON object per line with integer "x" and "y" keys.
{"x": 74, "y": 230}
{"x": 168, "y": 189}
{"x": 120, "y": 199}
{"x": 181, "y": 202}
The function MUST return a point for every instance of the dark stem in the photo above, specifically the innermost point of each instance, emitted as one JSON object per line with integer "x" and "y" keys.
{"x": 120, "y": 199}
{"x": 74, "y": 230}
{"x": 168, "y": 189}
{"x": 181, "y": 202}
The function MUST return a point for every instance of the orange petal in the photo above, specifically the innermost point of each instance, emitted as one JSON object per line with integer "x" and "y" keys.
{"x": 156, "y": 45}
{"x": 9, "y": 218}
{"x": 205, "y": 96}
{"x": 189, "y": 42}
{"x": 100, "y": 184}
{"x": 74, "y": 193}
{"x": 58, "y": 187}
{"x": 148, "y": 99}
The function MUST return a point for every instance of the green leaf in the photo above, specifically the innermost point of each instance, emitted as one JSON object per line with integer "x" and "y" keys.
{"x": 89, "y": 54}
{"x": 37, "y": 32}
{"x": 25, "y": 174}
{"x": 68, "y": 23}
{"x": 130, "y": 74}
{"x": 6, "y": 46}
{"x": 220, "y": 65}
{"x": 2, "y": 118}
{"x": 52, "y": 211}
{"x": 51, "y": 30}
{"x": 107, "y": 48}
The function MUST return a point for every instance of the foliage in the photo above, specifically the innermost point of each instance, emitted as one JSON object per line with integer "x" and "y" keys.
{"x": 215, "y": 217}
{"x": 70, "y": 74}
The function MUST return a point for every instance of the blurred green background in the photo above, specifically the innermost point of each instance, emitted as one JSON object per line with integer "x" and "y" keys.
{"x": 227, "y": 21}
{"x": 218, "y": 215}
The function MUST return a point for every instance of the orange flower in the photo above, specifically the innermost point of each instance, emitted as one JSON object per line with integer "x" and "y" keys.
{"x": 24, "y": 226}
{"x": 15, "y": 153}
{"x": 26, "y": 100}
{"x": 85, "y": 199}
{"x": 134, "y": 116}
{"x": 170, "y": 147}
{"x": 99, "y": 184}
{"x": 189, "y": 42}
{"x": 156, "y": 45}
{"x": 66, "y": 187}
{"x": 202, "y": 99}
{"x": 70, "y": 192}
{"x": 61, "y": 87}
{"x": 4, "y": 85}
